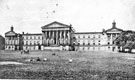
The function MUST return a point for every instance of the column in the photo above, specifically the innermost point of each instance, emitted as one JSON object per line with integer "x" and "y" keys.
{"x": 68, "y": 37}
{"x": 64, "y": 40}
{"x": 56, "y": 37}
{"x": 44, "y": 37}
{"x": 52, "y": 37}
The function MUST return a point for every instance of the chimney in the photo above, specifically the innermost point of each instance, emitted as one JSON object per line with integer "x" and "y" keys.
{"x": 22, "y": 32}
{"x": 12, "y": 28}
{"x": 114, "y": 24}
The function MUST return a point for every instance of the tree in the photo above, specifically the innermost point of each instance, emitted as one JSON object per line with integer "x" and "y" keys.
{"x": 126, "y": 40}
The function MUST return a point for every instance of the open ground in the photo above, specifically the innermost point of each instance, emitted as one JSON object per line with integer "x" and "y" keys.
{"x": 92, "y": 65}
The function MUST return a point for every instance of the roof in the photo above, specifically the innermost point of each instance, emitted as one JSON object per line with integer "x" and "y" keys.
{"x": 55, "y": 22}
{"x": 32, "y": 34}
{"x": 114, "y": 28}
{"x": 88, "y": 33}
{"x": 9, "y": 32}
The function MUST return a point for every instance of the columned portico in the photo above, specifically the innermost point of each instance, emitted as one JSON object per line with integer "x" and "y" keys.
{"x": 56, "y": 34}
{"x": 56, "y": 37}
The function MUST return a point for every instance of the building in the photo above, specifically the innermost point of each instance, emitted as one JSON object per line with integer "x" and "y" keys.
{"x": 93, "y": 41}
{"x": 32, "y": 41}
{"x": 2, "y": 41}
{"x": 59, "y": 36}
{"x": 13, "y": 40}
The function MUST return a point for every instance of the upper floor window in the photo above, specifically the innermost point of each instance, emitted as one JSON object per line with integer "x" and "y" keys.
{"x": 89, "y": 36}
{"x": 26, "y": 37}
{"x": 99, "y": 36}
{"x": 38, "y": 37}
{"x": 93, "y": 36}
{"x": 30, "y": 37}
{"x": 83, "y": 36}
{"x": 78, "y": 36}
{"x": 83, "y": 43}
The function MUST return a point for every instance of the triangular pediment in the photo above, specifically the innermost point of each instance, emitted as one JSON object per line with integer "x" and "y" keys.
{"x": 10, "y": 33}
{"x": 114, "y": 30}
{"x": 55, "y": 24}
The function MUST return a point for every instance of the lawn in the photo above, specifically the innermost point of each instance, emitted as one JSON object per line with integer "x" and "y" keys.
{"x": 92, "y": 65}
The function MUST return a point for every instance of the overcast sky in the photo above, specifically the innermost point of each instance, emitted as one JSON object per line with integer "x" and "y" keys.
{"x": 84, "y": 15}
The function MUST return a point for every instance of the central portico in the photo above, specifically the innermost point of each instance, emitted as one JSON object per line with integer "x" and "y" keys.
{"x": 57, "y": 34}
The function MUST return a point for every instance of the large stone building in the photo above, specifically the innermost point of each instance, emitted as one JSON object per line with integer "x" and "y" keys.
{"x": 13, "y": 40}
{"x": 32, "y": 41}
{"x": 59, "y": 36}
{"x": 93, "y": 41}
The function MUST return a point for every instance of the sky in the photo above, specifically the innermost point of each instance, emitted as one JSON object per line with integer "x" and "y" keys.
{"x": 85, "y": 15}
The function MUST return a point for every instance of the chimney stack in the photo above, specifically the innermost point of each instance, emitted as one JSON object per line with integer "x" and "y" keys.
{"x": 114, "y": 24}
{"x": 12, "y": 28}
{"x": 22, "y": 32}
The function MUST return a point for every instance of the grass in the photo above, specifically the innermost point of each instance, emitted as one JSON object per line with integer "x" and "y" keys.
{"x": 90, "y": 65}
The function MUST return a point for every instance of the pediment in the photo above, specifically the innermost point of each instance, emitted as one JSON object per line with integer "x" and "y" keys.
{"x": 114, "y": 30}
{"x": 10, "y": 33}
{"x": 55, "y": 24}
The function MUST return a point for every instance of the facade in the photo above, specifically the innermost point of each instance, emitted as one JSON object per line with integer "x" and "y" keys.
{"x": 32, "y": 41}
{"x": 2, "y": 41}
{"x": 59, "y": 36}
{"x": 13, "y": 41}
{"x": 93, "y": 41}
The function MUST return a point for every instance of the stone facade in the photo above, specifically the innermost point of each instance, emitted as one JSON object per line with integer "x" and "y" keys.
{"x": 59, "y": 36}
{"x": 93, "y": 41}
{"x": 13, "y": 41}
{"x": 32, "y": 41}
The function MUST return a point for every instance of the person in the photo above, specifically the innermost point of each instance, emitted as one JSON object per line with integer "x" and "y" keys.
{"x": 21, "y": 51}
{"x": 31, "y": 59}
{"x": 38, "y": 59}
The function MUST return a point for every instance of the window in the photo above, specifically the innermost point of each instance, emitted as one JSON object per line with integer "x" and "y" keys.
{"x": 93, "y": 36}
{"x": 30, "y": 37}
{"x": 88, "y": 43}
{"x": 98, "y": 43}
{"x": 108, "y": 43}
{"x": 108, "y": 47}
{"x": 93, "y": 43}
{"x": 30, "y": 43}
{"x": 83, "y": 36}
{"x": 83, "y": 43}
{"x": 78, "y": 36}
{"x": 26, "y": 42}
{"x": 89, "y": 36}
{"x": 26, "y": 37}
{"x": 113, "y": 42}
{"x": 99, "y": 36}
{"x": 38, "y": 37}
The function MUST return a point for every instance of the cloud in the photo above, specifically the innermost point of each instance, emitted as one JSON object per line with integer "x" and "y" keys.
{"x": 84, "y": 15}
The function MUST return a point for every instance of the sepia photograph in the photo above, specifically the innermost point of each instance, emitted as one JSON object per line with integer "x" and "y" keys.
{"x": 67, "y": 39}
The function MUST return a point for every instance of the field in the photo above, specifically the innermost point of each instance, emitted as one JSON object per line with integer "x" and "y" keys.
{"x": 90, "y": 65}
